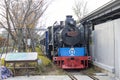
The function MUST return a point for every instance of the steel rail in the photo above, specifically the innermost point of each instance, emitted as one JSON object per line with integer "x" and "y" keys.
{"x": 91, "y": 76}
{"x": 71, "y": 76}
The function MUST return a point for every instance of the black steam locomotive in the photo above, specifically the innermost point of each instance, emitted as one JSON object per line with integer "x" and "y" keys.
{"x": 66, "y": 44}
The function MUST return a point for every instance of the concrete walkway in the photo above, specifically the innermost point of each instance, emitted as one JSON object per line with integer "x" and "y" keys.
{"x": 105, "y": 78}
{"x": 57, "y": 77}
{"x": 49, "y": 77}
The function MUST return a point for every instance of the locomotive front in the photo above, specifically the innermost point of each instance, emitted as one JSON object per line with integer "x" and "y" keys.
{"x": 69, "y": 45}
{"x": 70, "y": 34}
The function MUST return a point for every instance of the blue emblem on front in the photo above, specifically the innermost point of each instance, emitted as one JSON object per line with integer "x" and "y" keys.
{"x": 71, "y": 51}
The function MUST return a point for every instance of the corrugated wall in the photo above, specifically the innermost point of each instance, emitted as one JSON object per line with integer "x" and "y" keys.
{"x": 106, "y": 46}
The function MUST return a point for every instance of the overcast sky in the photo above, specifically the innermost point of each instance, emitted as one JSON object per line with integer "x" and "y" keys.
{"x": 58, "y": 10}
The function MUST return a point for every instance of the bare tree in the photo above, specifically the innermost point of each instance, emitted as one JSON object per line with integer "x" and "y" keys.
{"x": 17, "y": 16}
{"x": 80, "y": 8}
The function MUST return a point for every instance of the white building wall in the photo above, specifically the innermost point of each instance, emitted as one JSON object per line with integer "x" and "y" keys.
{"x": 117, "y": 47}
{"x": 106, "y": 46}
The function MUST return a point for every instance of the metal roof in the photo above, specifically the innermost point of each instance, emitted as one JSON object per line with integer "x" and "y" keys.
{"x": 103, "y": 10}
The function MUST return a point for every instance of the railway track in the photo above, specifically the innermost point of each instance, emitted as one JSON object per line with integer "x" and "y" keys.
{"x": 72, "y": 77}
{"x": 91, "y": 76}
{"x": 72, "y": 74}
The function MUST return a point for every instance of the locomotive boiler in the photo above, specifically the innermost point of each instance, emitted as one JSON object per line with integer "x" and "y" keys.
{"x": 68, "y": 34}
{"x": 66, "y": 45}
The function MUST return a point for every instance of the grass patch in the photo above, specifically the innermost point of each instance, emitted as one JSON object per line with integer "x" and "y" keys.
{"x": 46, "y": 67}
{"x": 38, "y": 50}
{"x": 0, "y": 50}
{"x": 2, "y": 61}
{"x": 45, "y": 60}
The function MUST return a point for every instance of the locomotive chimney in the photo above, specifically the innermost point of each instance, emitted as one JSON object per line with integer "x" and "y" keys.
{"x": 69, "y": 21}
{"x": 68, "y": 16}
